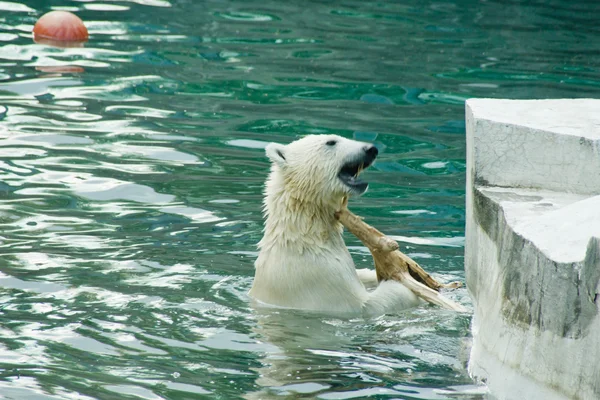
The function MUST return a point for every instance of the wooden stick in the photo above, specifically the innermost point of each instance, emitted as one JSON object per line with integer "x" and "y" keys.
{"x": 391, "y": 263}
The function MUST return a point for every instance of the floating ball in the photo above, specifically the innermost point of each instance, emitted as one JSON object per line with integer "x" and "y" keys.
{"x": 59, "y": 26}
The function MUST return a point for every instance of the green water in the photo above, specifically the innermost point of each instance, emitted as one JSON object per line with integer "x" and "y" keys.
{"x": 130, "y": 193}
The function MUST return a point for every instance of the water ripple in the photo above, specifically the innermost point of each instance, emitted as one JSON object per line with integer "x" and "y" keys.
{"x": 132, "y": 170}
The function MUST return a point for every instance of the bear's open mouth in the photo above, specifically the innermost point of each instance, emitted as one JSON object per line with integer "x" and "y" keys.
{"x": 349, "y": 175}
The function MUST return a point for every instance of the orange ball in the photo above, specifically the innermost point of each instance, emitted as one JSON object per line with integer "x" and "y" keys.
{"x": 60, "y": 26}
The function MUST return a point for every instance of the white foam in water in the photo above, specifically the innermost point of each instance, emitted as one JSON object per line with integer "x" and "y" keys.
{"x": 457, "y": 241}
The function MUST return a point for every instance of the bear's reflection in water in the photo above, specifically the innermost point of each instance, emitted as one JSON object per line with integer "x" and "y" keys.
{"x": 319, "y": 355}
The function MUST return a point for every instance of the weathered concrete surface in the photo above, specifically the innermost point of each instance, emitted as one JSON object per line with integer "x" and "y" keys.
{"x": 547, "y": 144}
{"x": 532, "y": 255}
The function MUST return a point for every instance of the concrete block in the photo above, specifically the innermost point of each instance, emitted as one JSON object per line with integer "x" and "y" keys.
{"x": 532, "y": 251}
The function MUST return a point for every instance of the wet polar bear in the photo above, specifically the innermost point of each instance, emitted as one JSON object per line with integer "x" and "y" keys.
{"x": 303, "y": 262}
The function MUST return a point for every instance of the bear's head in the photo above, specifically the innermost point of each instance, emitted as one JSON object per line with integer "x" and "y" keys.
{"x": 320, "y": 168}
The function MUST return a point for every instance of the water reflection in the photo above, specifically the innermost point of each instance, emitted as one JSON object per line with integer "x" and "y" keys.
{"x": 132, "y": 169}
{"x": 321, "y": 355}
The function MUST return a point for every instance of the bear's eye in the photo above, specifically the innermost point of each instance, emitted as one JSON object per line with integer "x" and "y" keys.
{"x": 331, "y": 143}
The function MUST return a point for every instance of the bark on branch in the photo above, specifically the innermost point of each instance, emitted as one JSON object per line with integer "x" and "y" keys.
{"x": 391, "y": 263}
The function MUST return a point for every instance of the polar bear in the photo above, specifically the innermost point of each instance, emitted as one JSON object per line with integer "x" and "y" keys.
{"x": 303, "y": 262}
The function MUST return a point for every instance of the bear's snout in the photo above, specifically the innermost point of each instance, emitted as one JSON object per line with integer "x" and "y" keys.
{"x": 371, "y": 152}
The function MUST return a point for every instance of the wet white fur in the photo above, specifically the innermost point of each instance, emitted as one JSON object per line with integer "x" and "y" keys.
{"x": 303, "y": 261}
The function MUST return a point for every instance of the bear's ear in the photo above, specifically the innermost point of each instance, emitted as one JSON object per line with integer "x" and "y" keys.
{"x": 276, "y": 153}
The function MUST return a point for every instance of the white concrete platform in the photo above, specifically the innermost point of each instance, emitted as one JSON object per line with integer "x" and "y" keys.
{"x": 546, "y": 144}
{"x": 532, "y": 251}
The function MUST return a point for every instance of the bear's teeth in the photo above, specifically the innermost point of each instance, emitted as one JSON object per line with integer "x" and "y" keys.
{"x": 360, "y": 169}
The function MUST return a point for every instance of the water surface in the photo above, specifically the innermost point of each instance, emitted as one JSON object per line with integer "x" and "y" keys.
{"x": 132, "y": 169}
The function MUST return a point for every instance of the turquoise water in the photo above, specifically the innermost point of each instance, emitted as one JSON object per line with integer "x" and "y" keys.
{"x": 132, "y": 168}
